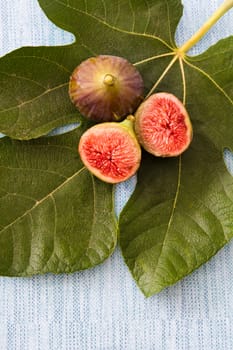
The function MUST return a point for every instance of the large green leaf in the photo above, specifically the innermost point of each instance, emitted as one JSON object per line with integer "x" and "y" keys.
{"x": 181, "y": 212}
{"x": 55, "y": 216}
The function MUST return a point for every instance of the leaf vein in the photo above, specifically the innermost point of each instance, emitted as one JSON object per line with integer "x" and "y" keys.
{"x": 153, "y": 58}
{"x": 176, "y": 197}
{"x": 94, "y": 210}
{"x": 23, "y": 78}
{"x": 18, "y": 195}
{"x": 200, "y": 227}
{"x": 40, "y": 58}
{"x": 172, "y": 210}
{"x": 183, "y": 80}
{"x": 55, "y": 217}
{"x": 43, "y": 199}
{"x": 105, "y": 10}
{"x": 148, "y": 17}
{"x": 117, "y": 14}
{"x": 210, "y": 210}
{"x": 133, "y": 16}
{"x": 211, "y": 79}
{"x": 169, "y": 21}
{"x": 19, "y": 106}
{"x": 34, "y": 169}
{"x": 118, "y": 29}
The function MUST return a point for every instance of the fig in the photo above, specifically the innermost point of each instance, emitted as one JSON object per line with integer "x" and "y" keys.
{"x": 163, "y": 126}
{"x": 111, "y": 151}
{"x": 106, "y": 88}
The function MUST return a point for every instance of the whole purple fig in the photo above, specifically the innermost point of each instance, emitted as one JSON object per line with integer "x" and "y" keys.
{"x": 106, "y": 88}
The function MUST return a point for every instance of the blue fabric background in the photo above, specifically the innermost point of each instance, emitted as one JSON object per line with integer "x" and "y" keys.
{"x": 102, "y": 308}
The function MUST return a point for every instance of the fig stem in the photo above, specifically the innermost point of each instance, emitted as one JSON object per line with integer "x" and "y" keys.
{"x": 131, "y": 118}
{"x": 222, "y": 9}
{"x": 109, "y": 79}
{"x": 129, "y": 122}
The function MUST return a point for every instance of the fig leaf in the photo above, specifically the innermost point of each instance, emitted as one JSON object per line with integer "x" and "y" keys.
{"x": 55, "y": 216}
{"x": 61, "y": 219}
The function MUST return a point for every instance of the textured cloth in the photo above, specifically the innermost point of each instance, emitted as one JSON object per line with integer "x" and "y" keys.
{"x": 101, "y": 308}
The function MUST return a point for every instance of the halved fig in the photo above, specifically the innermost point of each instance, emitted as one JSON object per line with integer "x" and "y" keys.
{"x": 106, "y": 88}
{"x": 111, "y": 151}
{"x": 163, "y": 126}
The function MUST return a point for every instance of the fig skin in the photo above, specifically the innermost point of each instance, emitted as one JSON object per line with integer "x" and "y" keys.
{"x": 163, "y": 126}
{"x": 106, "y": 88}
{"x": 111, "y": 151}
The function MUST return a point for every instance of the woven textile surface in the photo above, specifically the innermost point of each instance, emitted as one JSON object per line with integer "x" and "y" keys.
{"x": 102, "y": 308}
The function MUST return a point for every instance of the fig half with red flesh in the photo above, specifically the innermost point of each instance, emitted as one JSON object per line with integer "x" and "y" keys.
{"x": 106, "y": 88}
{"x": 111, "y": 151}
{"x": 163, "y": 126}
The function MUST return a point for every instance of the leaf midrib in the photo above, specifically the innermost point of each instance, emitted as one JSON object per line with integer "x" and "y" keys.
{"x": 172, "y": 212}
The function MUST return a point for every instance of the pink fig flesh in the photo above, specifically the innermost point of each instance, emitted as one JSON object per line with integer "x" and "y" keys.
{"x": 163, "y": 126}
{"x": 106, "y": 88}
{"x": 111, "y": 151}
